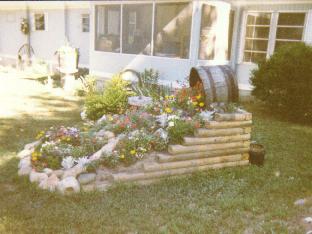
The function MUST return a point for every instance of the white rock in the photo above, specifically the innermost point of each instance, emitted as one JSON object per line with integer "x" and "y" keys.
{"x": 100, "y": 120}
{"x": 105, "y": 134}
{"x": 49, "y": 183}
{"x": 83, "y": 115}
{"x": 300, "y": 202}
{"x": 32, "y": 145}
{"x": 68, "y": 185}
{"x": 162, "y": 120}
{"x": 106, "y": 149}
{"x": 59, "y": 173}
{"x": 86, "y": 178}
{"x": 47, "y": 171}
{"x": 68, "y": 162}
{"x": 25, "y": 153}
{"x": 88, "y": 187}
{"x": 308, "y": 219}
{"x": 37, "y": 176}
{"x": 161, "y": 133}
{"x": 24, "y": 162}
{"x": 74, "y": 171}
{"x": 207, "y": 115}
{"x": 23, "y": 171}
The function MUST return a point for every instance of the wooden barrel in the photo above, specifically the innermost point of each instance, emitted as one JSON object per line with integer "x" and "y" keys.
{"x": 219, "y": 83}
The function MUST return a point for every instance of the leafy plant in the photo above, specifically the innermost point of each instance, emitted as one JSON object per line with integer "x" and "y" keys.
{"x": 284, "y": 82}
{"x": 113, "y": 100}
{"x": 179, "y": 130}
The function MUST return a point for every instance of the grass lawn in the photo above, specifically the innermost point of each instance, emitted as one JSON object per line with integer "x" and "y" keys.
{"x": 234, "y": 200}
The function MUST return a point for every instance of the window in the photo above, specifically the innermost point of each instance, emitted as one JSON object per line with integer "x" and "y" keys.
{"x": 208, "y": 32}
{"x": 39, "y": 22}
{"x": 290, "y": 28}
{"x": 107, "y": 36}
{"x": 137, "y": 28}
{"x": 172, "y": 29}
{"x": 85, "y": 22}
{"x": 257, "y": 36}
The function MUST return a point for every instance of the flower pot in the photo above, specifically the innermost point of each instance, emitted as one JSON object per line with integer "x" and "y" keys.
{"x": 256, "y": 154}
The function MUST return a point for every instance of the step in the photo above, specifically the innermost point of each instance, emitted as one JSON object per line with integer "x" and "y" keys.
{"x": 204, "y": 132}
{"x": 232, "y": 116}
{"x": 181, "y": 149}
{"x": 227, "y": 124}
{"x": 163, "y": 158}
{"x": 121, "y": 177}
{"x": 154, "y": 166}
{"x": 214, "y": 140}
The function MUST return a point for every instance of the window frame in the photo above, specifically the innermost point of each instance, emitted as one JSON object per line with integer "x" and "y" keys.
{"x": 272, "y": 32}
{"x": 153, "y": 3}
{"x": 33, "y": 24}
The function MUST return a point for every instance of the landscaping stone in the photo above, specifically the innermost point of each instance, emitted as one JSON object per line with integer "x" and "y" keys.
{"x": 68, "y": 185}
{"x": 88, "y": 187}
{"x": 139, "y": 101}
{"x": 58, "y": 173}
{"x": 24, "y": 162}
{"x": 32, "y": 145}
{"x": 161, "y": 133}
{"x": 105, "y": 134}
{"x": 106, "y": 149}
{"x": 49, "y": 183}
{"x": 23, "y": 171}
{"x": 300, "y": 202}
{"x": 102, "y": 186}
{"x": 74, "y": 171}
{"x": 86, "y": 178}
{"x": 47, "y": 171}
{"x": 25, "y": 153}
{"x": 37, "y": 176}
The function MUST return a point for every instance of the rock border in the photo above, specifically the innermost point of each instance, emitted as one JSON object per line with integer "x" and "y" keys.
{"x": 224, "y": 142}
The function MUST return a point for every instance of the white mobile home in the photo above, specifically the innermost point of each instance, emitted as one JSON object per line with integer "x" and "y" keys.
{"x": 168, "y": 35}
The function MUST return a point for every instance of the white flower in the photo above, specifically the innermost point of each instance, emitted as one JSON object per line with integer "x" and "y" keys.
{"x": 173, "y": 117}
{"x": 83, "y": 161}
{"x": 171, "y": 124}
{"x": 68, "y": 162}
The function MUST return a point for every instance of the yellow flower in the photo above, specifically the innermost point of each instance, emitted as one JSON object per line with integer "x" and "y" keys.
{"x": 201, "y": 104}
{"x": 168, "y": 110}
{"x": 198, "y": 97}
{"x": 166, "y": 97}
{"x": 34, "y": 158}
{"x": 195, "y": 103}
{"x": 132, "y": 152}
{"x": 122, "y": 156}
{"x": 68, "y": 139}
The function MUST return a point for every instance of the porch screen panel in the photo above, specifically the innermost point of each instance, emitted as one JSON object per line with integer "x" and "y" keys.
{"x": 257, "y": 37}
{"x": 172, "y": 29}
{"x": 107, "y": 36}
{"x": 208, "y": 32}
{"x": 137, "y": 28}
{"x": 290, "y": 28}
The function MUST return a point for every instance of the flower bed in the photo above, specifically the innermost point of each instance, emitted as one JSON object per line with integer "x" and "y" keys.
{"x": 174, "y": 135}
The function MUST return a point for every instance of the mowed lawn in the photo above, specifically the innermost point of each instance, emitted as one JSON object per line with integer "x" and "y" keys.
{"x": 234, "y": 200}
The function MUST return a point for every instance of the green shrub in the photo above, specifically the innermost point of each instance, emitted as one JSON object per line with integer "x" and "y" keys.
{"x": 284, "y": 82}
{"x": 113, "y": 100}
{"x": 180, "y": 129}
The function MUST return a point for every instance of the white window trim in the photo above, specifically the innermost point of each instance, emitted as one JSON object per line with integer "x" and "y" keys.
{"x": 33, "y": 23}
{"x": 272, "y": 34}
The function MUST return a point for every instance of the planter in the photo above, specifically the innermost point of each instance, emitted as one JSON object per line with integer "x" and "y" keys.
{"x": 256, "y": 154}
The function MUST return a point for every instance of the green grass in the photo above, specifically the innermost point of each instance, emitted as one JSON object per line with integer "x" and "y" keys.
{"x": 223, "y": 201}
